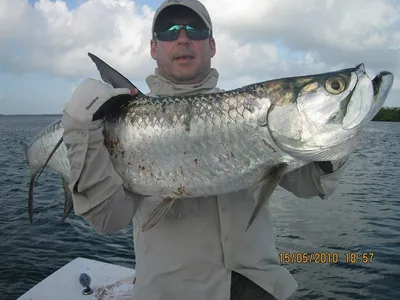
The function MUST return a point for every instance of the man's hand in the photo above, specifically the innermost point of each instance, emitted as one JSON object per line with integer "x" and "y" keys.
{"x": 331, "y": 166}
{"x": 134, "y": 92}
{"x": 89, "y": 96}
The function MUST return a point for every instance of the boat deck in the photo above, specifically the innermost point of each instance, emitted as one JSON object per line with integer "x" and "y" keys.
{"x": 108, "y": 281}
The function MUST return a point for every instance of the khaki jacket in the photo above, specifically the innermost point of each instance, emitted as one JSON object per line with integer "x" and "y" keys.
{"x": 190, "y": 256}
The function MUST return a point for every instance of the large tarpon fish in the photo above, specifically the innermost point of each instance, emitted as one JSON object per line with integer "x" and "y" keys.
{"x": 191, "y": 146}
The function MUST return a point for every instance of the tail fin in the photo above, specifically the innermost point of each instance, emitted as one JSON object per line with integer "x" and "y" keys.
{"x": 50, "y": 155}
{"x": 112, "y": 76}
{"x": 30, "y": 198}
{"x": 31, "y": 181}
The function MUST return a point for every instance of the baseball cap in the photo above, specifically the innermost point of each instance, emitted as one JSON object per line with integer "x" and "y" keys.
{"x": 194, "y": 5}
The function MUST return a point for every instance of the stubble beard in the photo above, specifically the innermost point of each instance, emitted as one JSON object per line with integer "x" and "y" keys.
{"x": 190, "y": 78}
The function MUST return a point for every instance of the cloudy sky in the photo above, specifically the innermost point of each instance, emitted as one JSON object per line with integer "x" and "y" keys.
{"x": 44, "y": 44}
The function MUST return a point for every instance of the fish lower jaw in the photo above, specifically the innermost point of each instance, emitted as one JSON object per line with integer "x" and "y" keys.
{"x": 309, "y": 153}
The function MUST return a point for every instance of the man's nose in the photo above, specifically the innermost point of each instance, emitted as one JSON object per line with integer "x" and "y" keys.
{"x": 183, "y": 37}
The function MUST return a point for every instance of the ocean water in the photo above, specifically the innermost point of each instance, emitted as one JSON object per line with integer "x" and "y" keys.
{"x": 363, "y": 217}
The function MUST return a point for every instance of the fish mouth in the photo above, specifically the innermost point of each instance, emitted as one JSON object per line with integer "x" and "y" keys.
{"x": 366, "y": 99}
{"x": 382, "y": 84}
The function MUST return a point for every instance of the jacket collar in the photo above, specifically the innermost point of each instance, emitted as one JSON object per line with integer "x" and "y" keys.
{"x": 159, "y": 85}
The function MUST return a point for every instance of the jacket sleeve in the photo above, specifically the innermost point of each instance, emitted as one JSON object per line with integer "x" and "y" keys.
{"x": 97, "y": 190}
{"x": 310, "y": 181}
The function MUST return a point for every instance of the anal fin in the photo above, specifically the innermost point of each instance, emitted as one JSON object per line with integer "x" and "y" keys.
{"x": 266, "y": 186}
{"x": 68, "y": 203}
{"x": 158, "y": 213}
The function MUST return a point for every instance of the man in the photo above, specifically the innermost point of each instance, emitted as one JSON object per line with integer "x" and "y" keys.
{"x": 202, "y": 250}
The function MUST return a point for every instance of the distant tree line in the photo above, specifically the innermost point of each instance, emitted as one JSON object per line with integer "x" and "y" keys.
{"x": 388, "y": 114}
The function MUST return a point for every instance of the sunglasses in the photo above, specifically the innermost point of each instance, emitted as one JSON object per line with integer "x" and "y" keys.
{"x": 172, "y": 33}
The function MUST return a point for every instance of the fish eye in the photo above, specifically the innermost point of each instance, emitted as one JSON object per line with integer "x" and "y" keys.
{"x": 335, "y": 85}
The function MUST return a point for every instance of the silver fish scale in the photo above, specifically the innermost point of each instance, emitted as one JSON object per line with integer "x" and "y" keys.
{"x": 173, "y": 145}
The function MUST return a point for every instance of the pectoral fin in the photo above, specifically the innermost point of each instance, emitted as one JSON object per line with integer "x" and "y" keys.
{"x": 267, "y": 185}
{"x": 68, "y": 203}
{"x": 158, "y": 213}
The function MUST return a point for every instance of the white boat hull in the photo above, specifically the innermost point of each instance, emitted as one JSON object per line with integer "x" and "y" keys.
{"x": 108, "y": 281}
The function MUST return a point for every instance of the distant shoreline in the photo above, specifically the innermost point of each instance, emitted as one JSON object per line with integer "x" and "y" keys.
{"x": 388, "y": 114}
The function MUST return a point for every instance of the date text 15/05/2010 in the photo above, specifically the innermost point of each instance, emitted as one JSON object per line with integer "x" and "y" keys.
{"x": 325, "y": 257}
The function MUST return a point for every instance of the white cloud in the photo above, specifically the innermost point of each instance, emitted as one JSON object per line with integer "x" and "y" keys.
{"x": 56, "y": 39}
{"x": 256, "y": 40}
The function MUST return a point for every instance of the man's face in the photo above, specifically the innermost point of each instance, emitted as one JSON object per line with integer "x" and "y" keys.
{"x": 183, "y": 61}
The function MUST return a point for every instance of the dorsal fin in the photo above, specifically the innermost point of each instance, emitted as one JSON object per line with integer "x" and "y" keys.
{"x": 110, "y": 75}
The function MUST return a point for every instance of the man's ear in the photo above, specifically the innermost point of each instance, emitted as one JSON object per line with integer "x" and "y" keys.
{"x": 153, "y": 46}
{"x": 213, "y": 47}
